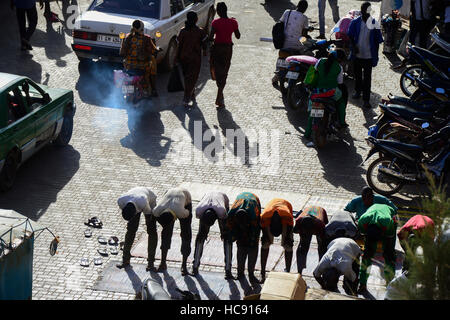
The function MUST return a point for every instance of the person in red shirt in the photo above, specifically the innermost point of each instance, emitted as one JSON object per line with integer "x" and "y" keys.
{"x": 418, "y": 227}
{"x": 311, "y": 221}
{"x": 222, "y": 30}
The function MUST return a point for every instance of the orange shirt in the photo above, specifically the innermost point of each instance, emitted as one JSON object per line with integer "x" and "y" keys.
{"x": 284, "y": 209}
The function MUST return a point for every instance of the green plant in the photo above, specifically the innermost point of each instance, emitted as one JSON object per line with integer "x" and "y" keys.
{"x": 428, "y": 277}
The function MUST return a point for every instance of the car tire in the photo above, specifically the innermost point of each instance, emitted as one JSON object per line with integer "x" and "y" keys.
{"x": 9, "y": 171}
{"x": 169, "y": 58}
{"x": 65, "y": 134}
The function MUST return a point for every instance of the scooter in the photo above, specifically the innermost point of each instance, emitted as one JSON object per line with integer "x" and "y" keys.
{"x": 325, "y": 122}
{"x": 297, "y": 93}
{"x": 423, "y": 64}
{"x": 401, "y": 163}
{"x": 279, "y": 79}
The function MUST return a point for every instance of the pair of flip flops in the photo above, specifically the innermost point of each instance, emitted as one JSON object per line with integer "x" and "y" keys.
{"x": 85, "y": 261}
{"x": 94, "y": 222}
{"x": 104, "y": 251}
{"x": 112, "y": 241}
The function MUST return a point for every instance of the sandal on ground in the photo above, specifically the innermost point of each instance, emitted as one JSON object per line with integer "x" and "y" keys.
{"x": 123, "y": 265}
{"x": 88, "y": 233}
{"x": 98, "y": 261}
{"x": 113, "y": 241}
{"x": 94, "y": 222}
{"x": 102, "y": 240}
{"x": 113, "y": 250}
{"x": 103, "y": 252}
{"x": 84, "y": 262}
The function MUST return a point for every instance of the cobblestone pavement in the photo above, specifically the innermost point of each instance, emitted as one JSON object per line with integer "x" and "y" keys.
{"x": 62, "y": 188}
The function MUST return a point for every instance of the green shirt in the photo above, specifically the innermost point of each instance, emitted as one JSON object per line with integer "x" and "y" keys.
{"x": 357, "y": 205}
{"x": 380, "y": 215}
{"x": 327, "y": 80}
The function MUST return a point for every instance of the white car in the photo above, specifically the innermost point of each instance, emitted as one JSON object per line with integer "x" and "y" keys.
{"x": 96, "y": 31}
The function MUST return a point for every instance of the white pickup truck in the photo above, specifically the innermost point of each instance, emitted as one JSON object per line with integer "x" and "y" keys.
{"x": 96, "y": 32}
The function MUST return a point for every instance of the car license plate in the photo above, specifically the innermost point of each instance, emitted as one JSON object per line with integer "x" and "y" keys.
{"x": 127, "y": 89}
{"x": 292, "y": 75}
{"x": 108, "y": 38}
{"x": 281, "y": 63}
{"x": 317, "y": 113}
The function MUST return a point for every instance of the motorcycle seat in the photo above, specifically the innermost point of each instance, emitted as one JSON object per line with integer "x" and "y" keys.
{"x": 134, "y": 72}
{"x": 401, "y": 146}
{"x": 302, "y": 59}
{"x": 407, "y": 113}
{"x": 409, "y": 103}
{"x": 441, "y": 62}
{"x": 436, "y": 83}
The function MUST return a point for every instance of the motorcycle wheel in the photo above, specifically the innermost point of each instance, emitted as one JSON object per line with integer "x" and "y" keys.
{"x": 297, "y": 97}
{"x": 408, "y": 86}
{"x": 319, "y": 136}
{"x": 374, "y": 182}
{"x": 384, "y": 130}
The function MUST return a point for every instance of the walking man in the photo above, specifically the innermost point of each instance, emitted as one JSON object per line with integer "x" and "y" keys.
{"x": 335, "y": 11}
{"x": 277, "y": 219}
{"x": 213, "y": 206}
{"x": 191, "y": 43}
{"x": 365, "y": 43}
{"x": 26, "y": 10}
{"x": 420, "y": 22}
{"x": 134, "y": 202}
{"x": 175, "y": 204}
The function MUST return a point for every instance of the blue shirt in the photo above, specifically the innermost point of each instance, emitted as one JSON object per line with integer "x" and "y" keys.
{"x": 357, "y": 205}
{"x": 24, "y": 4}
{"x": 375, "y": 38}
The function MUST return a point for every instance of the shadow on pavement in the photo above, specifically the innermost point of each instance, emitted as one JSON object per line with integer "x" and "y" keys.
{"x": 340, "y": 161}
{"x": 40, "y": 179}
{"x": 239, "y": 145}
{"x": 275, "y": 8}
{"x": 146, "y": 136}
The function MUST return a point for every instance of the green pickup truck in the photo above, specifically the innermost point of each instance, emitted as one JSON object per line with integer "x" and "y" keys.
{"x": 31, "y": 116}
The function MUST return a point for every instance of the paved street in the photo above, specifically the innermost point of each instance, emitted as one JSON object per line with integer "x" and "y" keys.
{"x": 114, "y": 148}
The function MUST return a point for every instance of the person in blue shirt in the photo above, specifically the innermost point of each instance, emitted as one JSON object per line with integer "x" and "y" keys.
{"x": 26, "y": 10}
{"x": 359, "y": 205}
{"x": 365, "y": 37}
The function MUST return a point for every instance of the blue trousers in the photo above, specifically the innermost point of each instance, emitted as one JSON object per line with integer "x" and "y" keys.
{"x": 334, "y": 9}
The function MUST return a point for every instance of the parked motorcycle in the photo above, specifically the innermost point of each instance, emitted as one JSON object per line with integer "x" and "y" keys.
{"x": 297, "y": 93}
{"x": 401, "y": 163}
{"x": 437, "y": 117}
{"x": 325, "y": 121}
{"x": 282, "y": 65}
{"x": 430, "y": 91}
{"x": 423, "y": 64}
